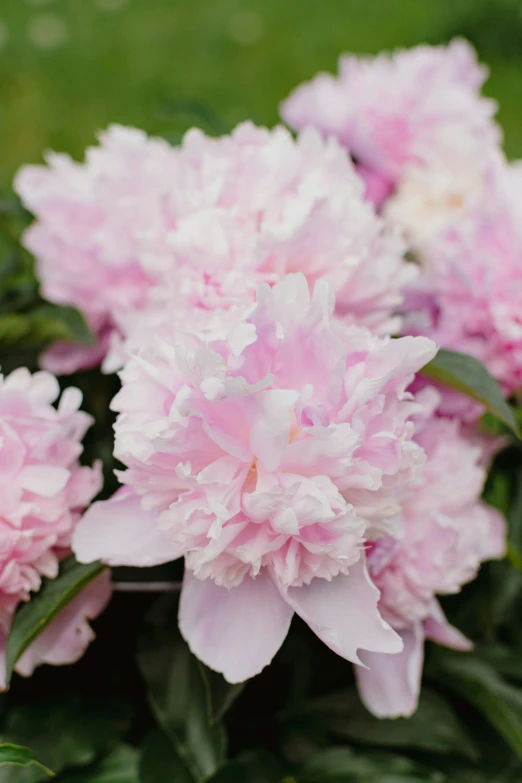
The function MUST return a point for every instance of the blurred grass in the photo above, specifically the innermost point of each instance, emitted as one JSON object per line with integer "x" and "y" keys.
{"x": 70, "y": 67}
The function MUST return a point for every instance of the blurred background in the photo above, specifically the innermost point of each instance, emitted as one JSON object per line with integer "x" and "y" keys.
{"x": 70, "y": 67}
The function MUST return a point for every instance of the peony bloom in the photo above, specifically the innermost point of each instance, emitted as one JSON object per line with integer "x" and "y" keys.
{"x": 254, "y": 206}
{"x": 414, "y": 122}
{"x": 93, "y": 221}
{"x": 430, "y": 199}
{"x": 469, "y": 293}
{"x": 267, "y": 458}
{"x": 144, "y": 234}
{"x": 448, "y": 532}
{"x": 44, "y": 491}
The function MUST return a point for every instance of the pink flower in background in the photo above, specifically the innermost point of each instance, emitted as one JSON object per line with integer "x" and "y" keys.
{"x": 411, "y": 108}
{"x": 143, "y": 233}
{"x": 260, "y": 204}
{"x": 468, "y": 295}
{"x": 44, "y": 489}
{"x": 254, "y": 206}
{"x": 92, "y": 221}
{"x": 448, "y": 532}
{"x": 430, "y": 199}
{"x": 267, "y": 458}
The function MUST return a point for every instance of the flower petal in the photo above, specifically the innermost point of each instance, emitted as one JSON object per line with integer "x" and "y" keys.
{"x": 390, "y": 686}
{"x": 65, "y": 639}
{"x": 438, "y": 629}
{"x": 44, "y": 480}
{"x": 119, "y": 532}
{"x": 270, "y": 415}
{"x": 236, "y": 632}
{"x": 344, "y": 615}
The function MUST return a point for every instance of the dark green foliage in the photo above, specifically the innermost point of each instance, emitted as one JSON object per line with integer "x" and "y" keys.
{"x": 467, "y": 375}
{"x": 20, "y": 764}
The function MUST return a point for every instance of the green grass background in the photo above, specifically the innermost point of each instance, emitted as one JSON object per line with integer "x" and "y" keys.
{"x": 165, "y": 65}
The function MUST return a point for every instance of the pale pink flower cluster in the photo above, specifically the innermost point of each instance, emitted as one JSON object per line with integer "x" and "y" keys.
{"x": 448, "y": 532}
{"x": 142, "y": 232}
{"x": 93, "y": 221}
{"x": 268, "y": 459}
{"x": 44, "y": 491}
{"x": 468, "y": 296}
{"x": 425, "y": 140}
{"x": 417, "y": 107}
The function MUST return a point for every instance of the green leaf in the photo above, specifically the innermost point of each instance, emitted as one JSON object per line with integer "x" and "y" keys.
{"x": 342, "y": 765}
{"x": 504, "y": 592}
{"x": 220, "y": 693}
{"x": 121, "y": 766}
{"x": 498, "y": 491}
{"x": 55, "y": 594}
{"x": 68, "y": 321}
{"x": 233, "y": 772}
{"x": 514, "y": 518}
{"x": 15, "y": 757}
{"x": 467, "y": 375}
{"x": 44, "y": 324}
{"x": 433, "y": 727}
{"x": 477, "y": 682}
{"x": 257, "y": 766}
{"x": 505, "y": 660}
{"x": 177, "y": 692}
{"x": 72, "y": 732}
{"x": 159, "y": 761}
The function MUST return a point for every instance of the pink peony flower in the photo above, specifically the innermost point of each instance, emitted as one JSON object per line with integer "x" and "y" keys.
{"x": 430, "y": 199}
{"x": 468, "y": 295}
{"x": 93, "y": 221}
{"x": 143, "y": 234}
{"x": 253, "y": 207}
{"x": 448, "y": 532}
{"x": 44, "y": 489}
{"x": 267, "y": 458}
{"x": 412, "y": 108}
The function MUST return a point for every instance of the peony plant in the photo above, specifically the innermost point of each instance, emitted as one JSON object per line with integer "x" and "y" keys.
{"x": 310, "y": 447}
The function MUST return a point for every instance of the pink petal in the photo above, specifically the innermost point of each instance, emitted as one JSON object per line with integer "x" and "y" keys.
{"x": 270, "y": 415}
{"x": 437, "y": 628}
{"x": 390, "y": 686}
{"x": 65, "y": 358}
{"x": 67, "y": 637}
{"x": 236, "y": 632}
{"x": 44, "y": 480}
{"x": 377, "y": 186}
{"x": 119, "y": 532}
{"x": 344, "y": 615}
